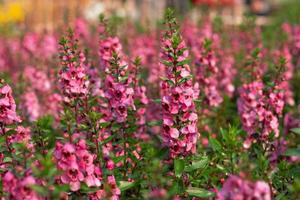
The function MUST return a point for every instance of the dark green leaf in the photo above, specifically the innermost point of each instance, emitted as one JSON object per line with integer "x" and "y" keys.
{"x": 215, "y": 144}
{"x": 200, "y": 164}
{"x": 125, "y": 185}
{"x": 292, "y": 152}
{"x": 198, "y": 192}
{"x": 296, "y": 130}
{"x": 178, "y": 167}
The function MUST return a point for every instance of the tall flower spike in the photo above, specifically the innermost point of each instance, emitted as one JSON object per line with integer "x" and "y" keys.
{"x": 72, "y": 75}
{"x": 179, "y": 117}
{"x": 207, "y": 72}
{"x": 118, "y": 92}
{"x": 259, "y": 108}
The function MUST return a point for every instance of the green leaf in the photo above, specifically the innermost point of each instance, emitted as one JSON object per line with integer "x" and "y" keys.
{"x": 184, "y": 62}
{"x": 94, "y": 116}
{"x": 107, "y": 139}
{"x": 168, "y": 80}
{"x": 154, "y": 123}
{"x": 292, "y": 152}
{"x": 125, "y": 185}
{"x": 167, "y": 63}
{"x": 39, "y": 189}
{"x": 176, "y": 188}
{"x": 183, "y": 80}
{"x": 198, "y": 192}
{"x": 215, "y": 144}
{"x": 118, "y": 159}
{"x": 104, "y": 124}
{"x": 296, "y": 130}
{"x": 86, "y": 189}
{"x": 156, "y": 100}
{"x": 200, "y": 164}
{"x": 255, "y": 53}
{"x": 178, "y": 167}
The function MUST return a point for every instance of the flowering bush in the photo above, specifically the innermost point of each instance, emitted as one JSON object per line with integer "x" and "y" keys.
{"x": 204, "y": 111}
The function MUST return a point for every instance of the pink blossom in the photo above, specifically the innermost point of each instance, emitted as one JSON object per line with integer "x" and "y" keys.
{"x": 22, "y": 135}
{"x": 236, "y": 188}
{"x": 19, "y": 188}
{"x": 259, "y": 111}
{"x": 37, "y": 78}
{"x": 107, "y": 47}
{"x": 72, "y": 76}
{"x": 77, "y": 164}
{"x": 179, "y": 131}
{"x": 31, "y": 105}
{"x": 207, "y": 74}
{"x": 8, "y": 113}
{"x": 48, "y": 46}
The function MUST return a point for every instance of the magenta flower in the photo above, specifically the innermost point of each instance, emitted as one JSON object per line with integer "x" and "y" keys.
{"x": 54, "y": 106}
{"x": 259, "y": 111}
{"x": 19, "y": 187}
{"x": 207, "y": 74}
{"x": 73, "y": 73}
{"x": 8, "y": 113}
{"x": 48, "y": 46}
{"x": 236, "y": 188}
{"x": 37, "y": 78}
{"x": 179, "y": 117}
{"x": 118, "y": 90}
{"x": 31, "y": 105}
{"x": 107, "y": 47}
{"x": 77, "y": 164}
{"x": 22, "y": 135}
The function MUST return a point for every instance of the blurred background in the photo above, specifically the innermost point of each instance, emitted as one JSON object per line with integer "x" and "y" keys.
{"x": 48, "y": 15}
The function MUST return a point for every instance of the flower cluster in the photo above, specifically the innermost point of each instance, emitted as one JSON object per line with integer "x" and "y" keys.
{"x": 259, "y": 111}
{"x": 54, "y": 106}
{"x": 227, "y": 74}
{"x": 44, "y": 47}
{"x": 73, "y": 73}
{"x": 108, "y": 46}
{"x": 22, "y": 135}
{"x": 31, "y": 105}
{"x": 77, "y": 164}
{"x": 140, "y": 99}
{"x": 207, "y": 73}
{"x": 179, "y": 117}
{"x": 38, "y": 79}
{"x": 8, "y": 113}
{"x": 112, "y": 192}
{"x": 236, "y": 188}
{"x": 20, "y": 187}
{"x": 287, "y": 75}
{"x": 145, "y": 48}
{"x": 118, "y": 90}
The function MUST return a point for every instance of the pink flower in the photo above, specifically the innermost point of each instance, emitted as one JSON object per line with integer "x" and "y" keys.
{"x": 107, "y": 47}
{"x": 48, "y": 46}
{"x": 72, "y": 76}
{"x": 179, "y": 118}
{"x": 8, "y": 113}
{"x": 54, "y": 106}
{"x": 20, "y": 187}
{"x": 31, "y": 105}
{"x": 22, "y": 135}
{"x": 236, "y": 188}
{"x": 37, "y": 78}
{"x": 259, "y": 111}
{"x": 207, "y": 74}
{"x": 118, "y": 90}
{"x": 77, "y": 165}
